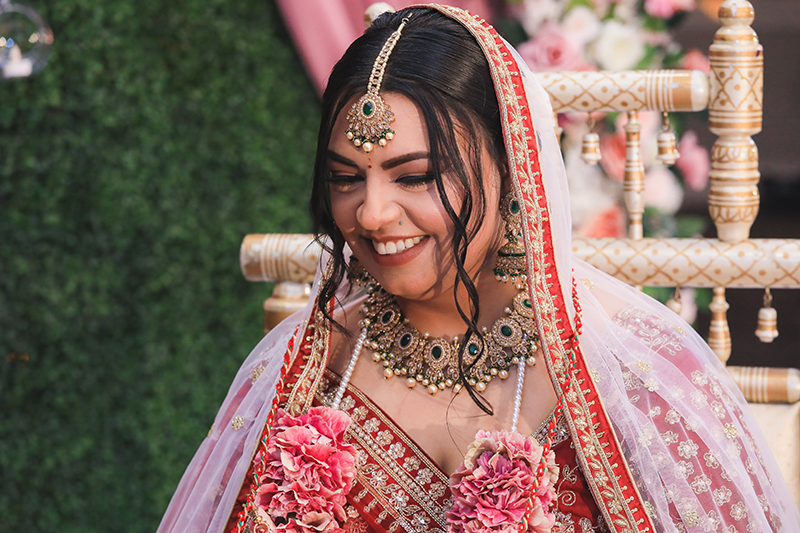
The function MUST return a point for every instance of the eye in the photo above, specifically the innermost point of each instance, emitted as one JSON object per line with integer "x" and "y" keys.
{"x": 343, "y": 182}
{"x": 416, "y": 181}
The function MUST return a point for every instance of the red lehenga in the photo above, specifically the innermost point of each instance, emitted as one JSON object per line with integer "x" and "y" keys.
{"x": 400, "y": 488}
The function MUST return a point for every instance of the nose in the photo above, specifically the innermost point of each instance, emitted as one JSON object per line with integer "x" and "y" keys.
{"x": 379, "y": 208}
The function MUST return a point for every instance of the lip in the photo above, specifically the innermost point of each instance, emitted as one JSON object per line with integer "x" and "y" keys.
{"x": 397, "y": 259}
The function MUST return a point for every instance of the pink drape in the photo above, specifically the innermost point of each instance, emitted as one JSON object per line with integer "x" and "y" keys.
{"x": 323, "y": 29}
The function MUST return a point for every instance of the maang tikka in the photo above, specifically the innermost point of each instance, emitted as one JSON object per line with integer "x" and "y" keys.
{"x": 370, "y": 117}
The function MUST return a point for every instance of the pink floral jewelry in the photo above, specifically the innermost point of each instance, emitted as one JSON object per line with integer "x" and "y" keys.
{"x": 306, "y": 473}
{"x": 506, "y": 481}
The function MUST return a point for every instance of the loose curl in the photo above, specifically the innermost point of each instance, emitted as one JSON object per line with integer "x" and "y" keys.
{"x": 438, "y": 65}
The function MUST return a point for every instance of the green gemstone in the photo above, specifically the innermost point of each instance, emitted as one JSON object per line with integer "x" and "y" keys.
{"x": 405, "y": 340}
{"x": 506, "y": 331}
{"x": 472, "y": 348}
{"x": 515, "y": 207}
{"x": 527, "y": 303}
{"x": 387, "y": 317}
{"x": 368, "y": 108}
{"x": 436, "y": 352}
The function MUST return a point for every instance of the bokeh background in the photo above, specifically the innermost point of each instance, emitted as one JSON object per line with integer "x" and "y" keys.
{"x": 160, "y": 134}
{"x": 157, "y": 136}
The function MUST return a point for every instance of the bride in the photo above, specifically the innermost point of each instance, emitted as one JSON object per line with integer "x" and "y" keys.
{"x": 456, "y": 369}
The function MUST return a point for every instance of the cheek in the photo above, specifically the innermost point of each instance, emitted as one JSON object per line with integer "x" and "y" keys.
{"x": 343, "y": 211}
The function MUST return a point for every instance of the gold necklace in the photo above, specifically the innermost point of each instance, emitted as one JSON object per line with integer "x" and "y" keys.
{"x": 433, "y": 361}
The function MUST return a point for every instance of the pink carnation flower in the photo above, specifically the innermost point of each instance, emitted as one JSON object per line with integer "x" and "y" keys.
{"x": 492, "y": 486}
{"x": 309, "y": 469}
{"x": 553, "y": 49}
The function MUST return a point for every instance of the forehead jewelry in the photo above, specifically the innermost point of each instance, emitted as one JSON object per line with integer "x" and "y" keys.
{"x": 369, "y": 118}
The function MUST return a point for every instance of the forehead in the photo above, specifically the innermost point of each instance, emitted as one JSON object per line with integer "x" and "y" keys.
{"x": 411, "y": 135}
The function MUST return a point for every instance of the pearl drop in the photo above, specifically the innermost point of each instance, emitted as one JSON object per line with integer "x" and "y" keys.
{"x": 349, "y": 135}
{"x": 531, "y": 361}
{"x": 367, "y": 147}
{"x": 411, "y": 383}
{"x": 433, "y": 389}
{"x": 357, "y": 142}
{"x": 382, "y": 142}
{"x": 388, "y": 373}
{"x": 376, "y": 357}
{"x": 480, "y": 386}
{"x": 389, "y": 135}
{"x": 503, "y": 374}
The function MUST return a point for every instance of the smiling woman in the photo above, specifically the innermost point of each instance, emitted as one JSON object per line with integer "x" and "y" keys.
{"x": 533, "y": 392}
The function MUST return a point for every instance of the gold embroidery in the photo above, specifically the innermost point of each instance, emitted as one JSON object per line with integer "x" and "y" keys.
{"x": 211, "y": 429}
{"x": 256, "y": 373}
{"x": 237, "y": 423}
{"x": 730, "y": 431}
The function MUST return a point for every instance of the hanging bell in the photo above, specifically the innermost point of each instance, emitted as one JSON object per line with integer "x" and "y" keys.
{"x": 590, "y": 149}
{"x": 667, "y": 148}
{"x": 767, "y": 328}
{"x": 674, "y": 303}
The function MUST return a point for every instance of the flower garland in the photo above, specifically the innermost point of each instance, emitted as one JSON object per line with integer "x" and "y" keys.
{"x": 492, "y": 487}
{"x": 308, "y": 471}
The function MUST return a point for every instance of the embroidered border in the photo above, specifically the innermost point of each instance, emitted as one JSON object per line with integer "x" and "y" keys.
{"x": 596, "y": 445}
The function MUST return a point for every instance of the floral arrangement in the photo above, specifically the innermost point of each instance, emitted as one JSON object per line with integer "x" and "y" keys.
{"x": 615, "y": 35}
{"x": 308, "y": 471}
{"x": 492, "y": 487}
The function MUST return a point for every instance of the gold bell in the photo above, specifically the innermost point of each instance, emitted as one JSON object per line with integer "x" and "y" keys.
{"x": 667, "y": 148}
{"x": 674, "y": 303}
{"x": 767, "y": 328}
{"x": 590, "y": 149}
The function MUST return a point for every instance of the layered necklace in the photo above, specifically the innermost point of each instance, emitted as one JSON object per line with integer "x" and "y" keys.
{"x": 433, "y": 361}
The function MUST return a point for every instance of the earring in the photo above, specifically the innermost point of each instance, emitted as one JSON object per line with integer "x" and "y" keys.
{"x": 357, "y": 275}
{"x": 510, "y": 263}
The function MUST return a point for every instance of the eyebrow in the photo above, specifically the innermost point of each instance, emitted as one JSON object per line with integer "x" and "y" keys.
{"x": 386, "y": 165}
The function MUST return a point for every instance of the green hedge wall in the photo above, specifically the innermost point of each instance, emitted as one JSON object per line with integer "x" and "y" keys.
{"x": 130, "y": 168}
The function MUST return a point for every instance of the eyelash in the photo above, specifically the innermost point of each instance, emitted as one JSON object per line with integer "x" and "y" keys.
{"x": 411, "y": 182}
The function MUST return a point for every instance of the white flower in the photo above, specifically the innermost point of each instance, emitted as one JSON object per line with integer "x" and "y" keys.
{"x": 582, "y": 24}
{"x": 535, "y": 12}
{"x": 619, "y": 46}
{"x": 662, "y": 191}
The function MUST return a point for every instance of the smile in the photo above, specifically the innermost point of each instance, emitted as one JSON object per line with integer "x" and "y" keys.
{"x": 395, "y": 247}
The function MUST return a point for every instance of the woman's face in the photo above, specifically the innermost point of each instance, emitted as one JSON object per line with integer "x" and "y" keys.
{"x": 386, "y": 205}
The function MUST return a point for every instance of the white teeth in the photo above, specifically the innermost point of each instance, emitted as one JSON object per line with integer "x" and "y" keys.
{"x": 389, "y": 248}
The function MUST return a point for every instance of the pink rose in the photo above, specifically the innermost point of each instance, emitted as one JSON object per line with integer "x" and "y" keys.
{"x": 693, "y": 162}
{"x": 667, "y": 8}
{"x": 696, "y": 60}
{"x": 553, "y": 49}
{"x": 608, "y": 223}
{"x": 612, "y": 150}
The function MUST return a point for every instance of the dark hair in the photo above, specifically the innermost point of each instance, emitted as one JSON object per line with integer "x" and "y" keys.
{"x": 438, "y": 65}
